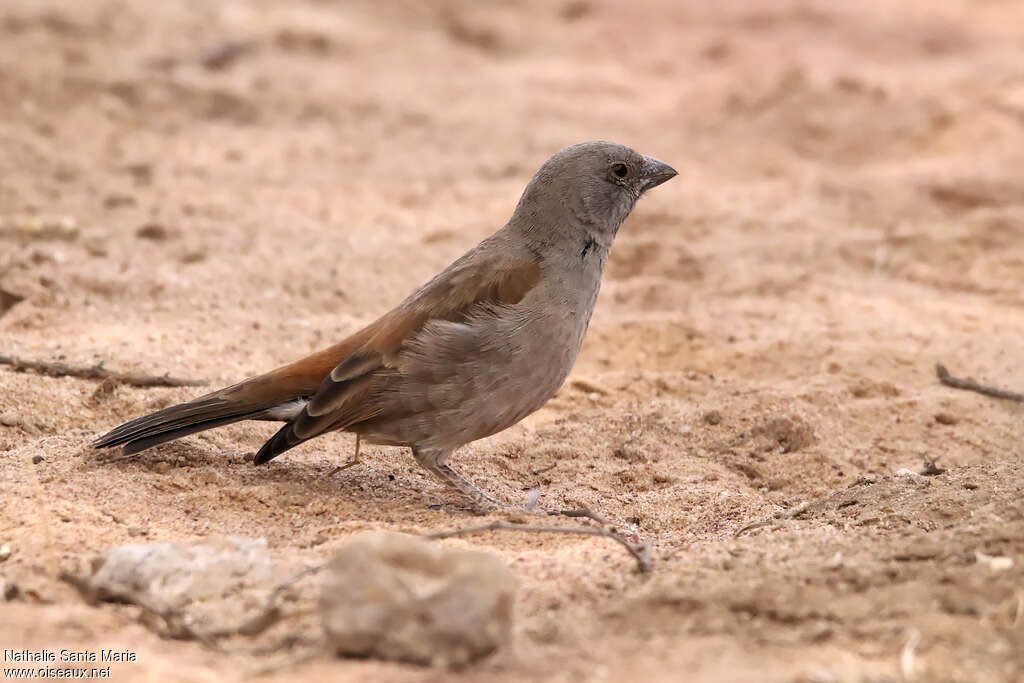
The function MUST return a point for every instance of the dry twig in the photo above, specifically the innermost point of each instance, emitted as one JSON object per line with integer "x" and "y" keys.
{"x": 641, "y": 552}
{"x": 227, "y": 54}
{"x": 791, "y": 513}
{"x": 287, "y": 663}
{"x": 908, "y": 664}
{"x": 56, "y": 369}
{"x": 581, "y": 513}
{"x": 271, "y": 613}
{"x": 930, "y": 467}
{"x": 970, "y": 385}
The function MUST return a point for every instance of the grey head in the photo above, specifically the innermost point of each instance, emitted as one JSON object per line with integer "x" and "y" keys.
{"x": 590, "y": 187}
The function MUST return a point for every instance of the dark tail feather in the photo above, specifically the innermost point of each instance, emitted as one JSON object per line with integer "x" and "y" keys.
{"x": 139, "y": 445}
{"x": 284, "y": 440}
{"x": 175, "y": 422}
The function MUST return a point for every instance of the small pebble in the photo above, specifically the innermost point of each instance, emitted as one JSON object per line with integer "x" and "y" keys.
{"x": 995, "y": 563}
{"x": 152, "y": 231}
{"x": 8, "y": 591}
{"x": 398, "y": 597}
{"x": 835, "y": 562}
{"x": 40, "y": 227}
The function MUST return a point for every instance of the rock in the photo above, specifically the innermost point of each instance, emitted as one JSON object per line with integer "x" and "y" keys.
{"x": 835, "y": 562}
{"x": 153, "y": 231}
{"x": 910, "y": 474}
{"x": 588, "y": 387}
{"x": 996, "y": 563}
{"x": 788, "y": 434}
{"x": 170, "y": 575}
{"x": 9, "y": 300}
{"x": 8, "y": 590}
{"x": 63, "y": 228}
{"x": 399, "y": 597}
{"x": 922, "y": 548}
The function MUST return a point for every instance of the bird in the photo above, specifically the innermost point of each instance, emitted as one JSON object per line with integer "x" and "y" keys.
{"x": 470, "y": 353}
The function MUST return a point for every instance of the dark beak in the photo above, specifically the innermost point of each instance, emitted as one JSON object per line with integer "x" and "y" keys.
{"x": 655, "y": 172}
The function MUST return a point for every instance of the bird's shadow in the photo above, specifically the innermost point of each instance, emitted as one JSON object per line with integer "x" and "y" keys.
{"x": 377, "y": 486}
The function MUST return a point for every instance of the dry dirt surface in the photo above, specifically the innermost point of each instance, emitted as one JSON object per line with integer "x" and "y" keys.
{"x": 210, "y": 189}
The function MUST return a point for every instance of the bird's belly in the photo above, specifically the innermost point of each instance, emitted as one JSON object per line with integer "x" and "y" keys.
{"x": 484, "y": 391}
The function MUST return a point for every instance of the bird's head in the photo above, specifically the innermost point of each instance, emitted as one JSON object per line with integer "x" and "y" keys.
{"x": 591, "y": 186}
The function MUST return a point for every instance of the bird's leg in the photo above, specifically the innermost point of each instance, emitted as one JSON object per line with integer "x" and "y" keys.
{"x": 434, "y": 462}
{"x": 353, "y": 461}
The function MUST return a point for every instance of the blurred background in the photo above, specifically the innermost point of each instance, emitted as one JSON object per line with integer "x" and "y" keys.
{"x": 833, "y": 141}
{"x": 214, "y": 188}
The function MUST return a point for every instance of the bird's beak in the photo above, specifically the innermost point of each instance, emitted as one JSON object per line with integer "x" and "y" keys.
{"x": 655, "y": 172}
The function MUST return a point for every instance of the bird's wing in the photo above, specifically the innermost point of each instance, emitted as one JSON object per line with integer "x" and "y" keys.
{"x": 348, "y": 394}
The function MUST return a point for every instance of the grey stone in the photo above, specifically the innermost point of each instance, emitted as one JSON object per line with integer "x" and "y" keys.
{"x": 170, "y": 575}
{"x": 399, "y": 597}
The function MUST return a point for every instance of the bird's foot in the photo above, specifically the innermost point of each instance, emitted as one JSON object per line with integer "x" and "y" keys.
{"x": 340, "y": 468}
{"x": 354, "y": 460}
{"x": 480, "y": 503}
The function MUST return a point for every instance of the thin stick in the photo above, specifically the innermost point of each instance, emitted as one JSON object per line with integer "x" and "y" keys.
{"x": 969, "y": 385}
{"x": 640, "y": 552}
{"x": 292, "y": 580}
{"x": 271, "y": 613}
{"x": 580, "y": 513}
{"x": 287, "y": 663}
{"x": 55, "y": 369}
{"x": 907, "y": 655}
{"x": 752, "y": 526}
{"x": 791, "y": 513}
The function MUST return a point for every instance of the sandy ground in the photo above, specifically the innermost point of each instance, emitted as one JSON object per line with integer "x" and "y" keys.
{"x": 849, "y": 211}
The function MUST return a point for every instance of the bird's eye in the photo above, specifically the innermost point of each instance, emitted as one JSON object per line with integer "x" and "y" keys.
{"x": 620, "y": 170}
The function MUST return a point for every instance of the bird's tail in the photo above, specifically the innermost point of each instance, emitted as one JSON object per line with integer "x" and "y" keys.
{"x": 177, "y": 421}
{"x": 285, "y": 439}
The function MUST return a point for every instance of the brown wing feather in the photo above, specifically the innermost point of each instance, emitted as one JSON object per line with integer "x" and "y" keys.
{"x": 347, "y": 394}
